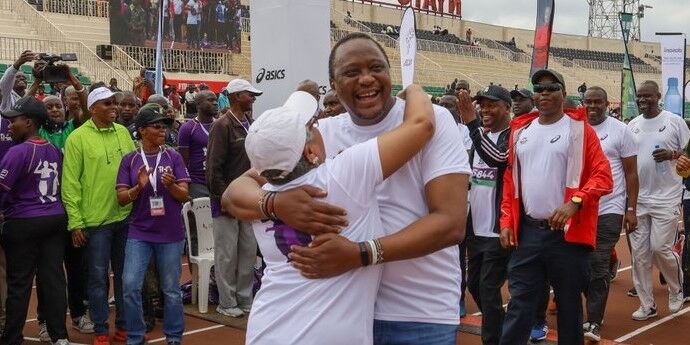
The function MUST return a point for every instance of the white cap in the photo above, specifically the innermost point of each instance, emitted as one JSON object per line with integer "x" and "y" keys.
{"x": 239, "y": 85}
{"x": 99, "y": 94}
{"x": 275, "y": 141}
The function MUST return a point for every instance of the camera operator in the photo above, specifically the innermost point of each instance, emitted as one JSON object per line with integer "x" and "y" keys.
{"x": 59, "y": 126}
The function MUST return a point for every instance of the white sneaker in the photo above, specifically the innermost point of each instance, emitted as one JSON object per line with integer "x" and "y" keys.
{"x": 232, "y": 312}
{"x": 62, "y": 342}
{"x": 675, "y": 302}
{"x": 43, "y": 333}
{"x": 643, "y": 313}
{"x": 83, "y": 324}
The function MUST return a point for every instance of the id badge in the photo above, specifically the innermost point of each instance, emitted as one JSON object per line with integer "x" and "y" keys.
{"x": 157, "y": 206}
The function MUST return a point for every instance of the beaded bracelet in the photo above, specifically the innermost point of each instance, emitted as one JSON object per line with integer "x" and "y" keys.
{"x": 379, "y": 251}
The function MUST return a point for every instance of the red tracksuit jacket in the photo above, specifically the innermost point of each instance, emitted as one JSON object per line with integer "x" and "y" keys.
{"x": 588, "y": 177}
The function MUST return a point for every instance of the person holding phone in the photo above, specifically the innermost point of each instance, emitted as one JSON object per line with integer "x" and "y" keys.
{"x": 155, "y": 181}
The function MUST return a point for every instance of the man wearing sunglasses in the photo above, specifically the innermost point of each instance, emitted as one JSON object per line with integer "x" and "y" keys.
{"x": 556, "y": 174}
{"x": 92, "y": 158}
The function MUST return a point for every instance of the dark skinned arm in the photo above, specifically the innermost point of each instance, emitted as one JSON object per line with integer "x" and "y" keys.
{"x": 330, "y": 255}
{"x": 632, "y": 186}
{"x": 296, "y": 207}
{"x": 184, "y": 152}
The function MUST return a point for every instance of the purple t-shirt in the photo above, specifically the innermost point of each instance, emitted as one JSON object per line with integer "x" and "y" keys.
{"x": 194, "y": 135}
{"x": 168, "y": 228}
{"x": 5, "y": 140}
{"x": 30, "y": 176}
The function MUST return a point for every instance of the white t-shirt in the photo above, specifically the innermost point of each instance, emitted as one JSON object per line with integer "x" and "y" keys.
{"x": 466, "y": 139}
{"x": 291, "y": 309}
{"x": 668, "y": 131}
{"x": 483, "y": 195}
{"x": 617, "y": 143}
{"x": 543, "y": 154}
{"x": 425, "y": 289}
{"x": 193, "y": 19}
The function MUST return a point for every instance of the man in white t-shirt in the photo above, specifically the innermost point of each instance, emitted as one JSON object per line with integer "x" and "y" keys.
{"x": 422, "y": 206}
{"x": 660, "y": 137}
{"x": 488, "y": 261}
{"x": 556, "y": 174}
{"x": 619, "y": 147}
{"x": 193, "y": 19}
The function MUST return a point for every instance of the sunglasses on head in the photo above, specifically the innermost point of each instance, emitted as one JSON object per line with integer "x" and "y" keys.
{"x": 551, "y": 87}
{"x": 158, "y": 126}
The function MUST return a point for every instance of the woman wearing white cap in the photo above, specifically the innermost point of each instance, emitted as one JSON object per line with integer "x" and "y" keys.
{"x": 285, "y": 147}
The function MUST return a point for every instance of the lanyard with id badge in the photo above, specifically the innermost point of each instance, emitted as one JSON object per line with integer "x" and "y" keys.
{"x": 156, "y": 203}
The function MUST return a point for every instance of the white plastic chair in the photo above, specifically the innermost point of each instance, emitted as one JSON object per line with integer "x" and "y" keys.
{"x": 203, "y": 260}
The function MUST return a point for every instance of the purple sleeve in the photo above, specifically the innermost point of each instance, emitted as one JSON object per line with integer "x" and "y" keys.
{"x": 179, "y": 169}
{"x": 11, "y": 167}
{"x": 124, "y": 178}
{"x": 184, "y": 137}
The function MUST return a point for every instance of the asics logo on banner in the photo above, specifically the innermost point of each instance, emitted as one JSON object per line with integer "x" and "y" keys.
{"x": 677, "y": 50}
{"x": 604, "y": 137}
{"x": 270, "y": 75}
{"x": 662, "y": 129}
{"x": 555, "y": 139}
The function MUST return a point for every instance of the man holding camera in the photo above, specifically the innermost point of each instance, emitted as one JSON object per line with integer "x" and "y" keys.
{"x": 13, "y": 82}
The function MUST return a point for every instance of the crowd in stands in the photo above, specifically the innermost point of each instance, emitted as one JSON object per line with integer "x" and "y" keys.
{"x": 213, "y": 24}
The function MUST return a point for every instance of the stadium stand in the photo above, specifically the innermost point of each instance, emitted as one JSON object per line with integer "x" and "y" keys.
{"x": 502, "y": 55}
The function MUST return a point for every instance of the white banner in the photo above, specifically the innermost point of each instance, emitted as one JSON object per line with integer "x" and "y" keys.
{"x": 672, "y": 71}
{"x": 408, "y": 46}
{"x": 291, "y": 41}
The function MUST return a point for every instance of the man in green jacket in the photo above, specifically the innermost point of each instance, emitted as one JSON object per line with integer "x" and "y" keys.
{"x": 92, "y": 158}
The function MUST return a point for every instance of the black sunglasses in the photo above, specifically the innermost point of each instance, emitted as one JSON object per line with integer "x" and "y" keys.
{"x": 551, "y": 87}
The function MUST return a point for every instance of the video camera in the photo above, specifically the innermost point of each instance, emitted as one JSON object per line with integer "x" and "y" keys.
{"x": 51, "y": 73}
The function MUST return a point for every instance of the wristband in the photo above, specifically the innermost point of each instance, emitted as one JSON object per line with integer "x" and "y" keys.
{"x": 363, "y": 254}
{"x": 270, "y": 206}
{"x": 374, "y": 252}
{"x": 379, "y": 251}
{"x": 631, "y": 209}
{"x": 81, "y": 90}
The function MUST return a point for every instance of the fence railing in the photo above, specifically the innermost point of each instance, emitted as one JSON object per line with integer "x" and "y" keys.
{"x": 90, "y": 8}
{"x": 175, "y": 60}
{"x": 89, "y": 62}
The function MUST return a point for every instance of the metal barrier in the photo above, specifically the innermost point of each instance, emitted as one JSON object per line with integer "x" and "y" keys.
{"x": 175, "y": 60}
{"x": 89, "y": 8}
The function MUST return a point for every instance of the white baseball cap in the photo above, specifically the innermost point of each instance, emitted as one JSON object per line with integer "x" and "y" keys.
{"x": 239, "y": 85}
{"x": 275, "y": 141}
{"x": 98, "y": 94}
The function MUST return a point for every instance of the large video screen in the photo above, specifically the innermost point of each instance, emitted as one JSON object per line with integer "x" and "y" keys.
{"x": 211, "y": 25}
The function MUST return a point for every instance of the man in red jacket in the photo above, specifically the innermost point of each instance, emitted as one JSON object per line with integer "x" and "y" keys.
{"x": 556, "y": 173}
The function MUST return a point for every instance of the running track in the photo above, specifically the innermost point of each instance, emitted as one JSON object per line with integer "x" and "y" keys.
{"x": 663, "y": 330}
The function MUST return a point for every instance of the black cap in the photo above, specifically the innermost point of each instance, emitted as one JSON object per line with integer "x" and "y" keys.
{"x": 522, "y": 93}
{"x": 150, "y": 115}
{"x": 29, "y": 107}
{"x": 543, "y": 72}
{"x": 495, "y": 93}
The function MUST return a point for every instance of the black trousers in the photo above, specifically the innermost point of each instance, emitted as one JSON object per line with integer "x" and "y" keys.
{"x": 177, "y": 24}
{"x": 608, "y": 233}
{"x": 542, "y": 255}
{"x": 35, "y": 246}
{"x": 75, "y": 267}
{"x": 486, "y": 273}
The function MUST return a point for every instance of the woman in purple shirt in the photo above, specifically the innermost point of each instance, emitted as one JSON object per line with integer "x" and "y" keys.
{"x": 154, "y": 178}
{"x": 35, "y": 222}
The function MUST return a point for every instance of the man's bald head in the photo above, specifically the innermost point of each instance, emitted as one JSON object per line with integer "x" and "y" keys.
{"x": 159, "y": 99}
{"x": 202, "y": 95}
{"x": 311, "y": 87}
